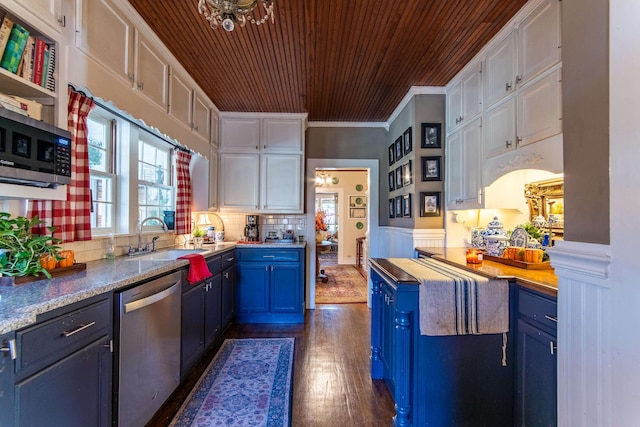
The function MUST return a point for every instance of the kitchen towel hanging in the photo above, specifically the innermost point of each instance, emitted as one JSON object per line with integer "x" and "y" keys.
{"x": 198, "y": 269}
{"x": 456, "y": 302}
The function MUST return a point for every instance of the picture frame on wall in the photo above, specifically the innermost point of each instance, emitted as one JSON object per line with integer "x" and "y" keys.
{"x": 392, "y": 181}
{"x": 398, "y": 207}
{"x": 392, "y": 154}
{"x": 391, "y": 208}
{"x": 399, "y": 180}
{"x": 431, "y": 135}
{"x": 407, "y": 141}
{"x": 430, "y": 204}
{"x": 431, "y": 168}
{"x": 406, "y": 206}
{"x": 398, "y": 145}
{"x": 407, "y": 176}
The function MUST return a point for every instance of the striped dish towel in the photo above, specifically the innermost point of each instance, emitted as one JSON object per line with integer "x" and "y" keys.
{"x": 456, "y": 302}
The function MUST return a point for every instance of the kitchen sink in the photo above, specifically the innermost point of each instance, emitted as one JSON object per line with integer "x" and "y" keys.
{"x": 166, "y": 255}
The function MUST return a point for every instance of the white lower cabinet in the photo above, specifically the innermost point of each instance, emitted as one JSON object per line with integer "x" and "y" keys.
{"x": 463, "y": 173}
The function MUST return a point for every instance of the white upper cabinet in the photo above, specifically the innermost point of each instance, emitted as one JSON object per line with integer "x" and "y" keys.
{"x": 201, "y": 111}
{"x": 151, "y": 73}
{"x": 239, "y": 182}
{"x": 540, "y": 109}
{"x": 240, "y": 134}
{"x": 282, "y": 135}
{"x": 272, "y": 145}
{"x": 50, "y": 11}
{"x": 179, "y": 98}
{"x": 539, "y": 41}
{"x": 500, "y": 128}
{"x": 281, "y": 185}
{"x": 94, "y": 19}
{"x": 500, "y": 70}
{"x": 463, "y": 171}
{"x": 464, "y": 98}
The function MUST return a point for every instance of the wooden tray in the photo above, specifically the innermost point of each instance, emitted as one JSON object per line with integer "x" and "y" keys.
{"x": 546, "y": 265}
{"x": 57, "y": 272}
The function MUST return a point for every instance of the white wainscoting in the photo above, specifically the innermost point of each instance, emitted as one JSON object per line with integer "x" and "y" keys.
{"x": 584, "y": 339}
{"x": 395, "y": 242}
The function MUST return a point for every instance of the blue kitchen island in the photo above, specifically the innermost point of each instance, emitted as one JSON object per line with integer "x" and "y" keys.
{"x": 457, "y": 380}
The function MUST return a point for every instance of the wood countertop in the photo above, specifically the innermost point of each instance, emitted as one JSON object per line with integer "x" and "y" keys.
{"x": 544, "y": 281}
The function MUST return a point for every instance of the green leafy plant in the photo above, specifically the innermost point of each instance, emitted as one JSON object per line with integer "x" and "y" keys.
{"x": 21, "y": 250}
{"x": 532, "y": 230}
{"x": 199, "y": 232}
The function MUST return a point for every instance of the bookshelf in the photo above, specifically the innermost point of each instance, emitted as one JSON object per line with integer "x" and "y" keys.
{"x": 14, "y": 84}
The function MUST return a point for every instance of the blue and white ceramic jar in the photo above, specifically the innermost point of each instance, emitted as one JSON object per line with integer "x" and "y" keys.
{"x": 495, "y": 237}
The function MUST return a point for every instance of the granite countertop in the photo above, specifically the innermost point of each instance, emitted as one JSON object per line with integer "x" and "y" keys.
{"x": 19, "y": 305}
{"x": 544, "y": 281}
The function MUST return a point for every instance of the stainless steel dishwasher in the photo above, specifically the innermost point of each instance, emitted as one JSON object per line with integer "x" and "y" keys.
{"x": 148, "y": 348}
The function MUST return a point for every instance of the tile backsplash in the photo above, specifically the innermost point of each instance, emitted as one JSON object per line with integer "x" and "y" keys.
{"x": 233, "y": 228}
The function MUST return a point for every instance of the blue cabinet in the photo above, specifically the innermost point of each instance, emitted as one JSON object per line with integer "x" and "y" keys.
{"x": 62, "y": 372}
{"x": 536, "y": 366}
{"x": 270, "y": 285}
{"x": 434, "y": 380}
{"x": 8, "y": 354}
{"x": 205, "y": 310}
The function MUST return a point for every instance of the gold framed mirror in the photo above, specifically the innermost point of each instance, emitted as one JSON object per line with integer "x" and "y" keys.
{"x": 546, "y": 198}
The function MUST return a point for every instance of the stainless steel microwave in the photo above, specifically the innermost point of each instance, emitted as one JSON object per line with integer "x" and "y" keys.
{"x": 33, "y": 152}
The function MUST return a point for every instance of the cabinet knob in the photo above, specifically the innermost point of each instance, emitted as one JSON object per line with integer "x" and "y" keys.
{"x": 62, "y": 21}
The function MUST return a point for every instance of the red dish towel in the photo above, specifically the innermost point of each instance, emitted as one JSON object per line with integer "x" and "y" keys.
{"x": 198, "y": 269}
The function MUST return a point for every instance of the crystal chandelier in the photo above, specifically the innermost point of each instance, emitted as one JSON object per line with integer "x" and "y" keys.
{"x": 229, "y": 12}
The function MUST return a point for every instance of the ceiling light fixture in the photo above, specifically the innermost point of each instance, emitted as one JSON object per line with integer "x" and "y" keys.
{"x": 229, "y": 12}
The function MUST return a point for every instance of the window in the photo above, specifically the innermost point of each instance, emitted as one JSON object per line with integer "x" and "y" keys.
{"x": 101, "y": 131}
{"x": 155, "y": 193}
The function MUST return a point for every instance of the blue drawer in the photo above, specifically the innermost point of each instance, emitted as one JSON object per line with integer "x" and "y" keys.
{"x": 537, "y": 308}
{"x": 269, "y": 255}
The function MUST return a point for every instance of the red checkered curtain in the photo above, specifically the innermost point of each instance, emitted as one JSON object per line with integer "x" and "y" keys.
{"x": 183, "y": 193}
{"x": 71, "y": 217}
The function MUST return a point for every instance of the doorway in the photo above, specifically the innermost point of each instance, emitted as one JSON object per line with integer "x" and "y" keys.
{"x": 362, "y": 192}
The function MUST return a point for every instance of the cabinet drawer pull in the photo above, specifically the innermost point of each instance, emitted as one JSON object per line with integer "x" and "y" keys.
{"x": 552, "y": 318}
{"x": 268, "y": 256}
{"x": 507, "y": 86}
{"x": 553, "y": 347}
{"x": 230, "y": 259}
{"x": 78, "y": 329}
{"x": 11, "y": 349}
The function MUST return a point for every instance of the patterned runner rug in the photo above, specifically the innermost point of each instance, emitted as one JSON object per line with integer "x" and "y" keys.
{"x": 248, "y": 383}
{"x": 345, "y": 286}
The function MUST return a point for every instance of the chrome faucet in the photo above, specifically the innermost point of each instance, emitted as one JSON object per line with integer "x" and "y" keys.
{"x": 164, "y": 227}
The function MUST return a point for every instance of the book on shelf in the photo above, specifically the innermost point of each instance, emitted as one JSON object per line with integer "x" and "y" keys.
{"x": 14, "y": 48}
{"x": 27, "y": 59}
{"x": 51, "y": 81}
{"x": 45, "y": 67}
{"x": 5, "y": 31}
{"x": 38, "y": 60}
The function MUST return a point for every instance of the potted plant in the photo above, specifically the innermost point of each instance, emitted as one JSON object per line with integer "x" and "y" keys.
{"x": 198, "y": 237}
{"x": 22, "y": 251}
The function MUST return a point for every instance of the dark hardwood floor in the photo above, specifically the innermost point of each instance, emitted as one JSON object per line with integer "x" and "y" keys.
{"x": 331, "y": 384}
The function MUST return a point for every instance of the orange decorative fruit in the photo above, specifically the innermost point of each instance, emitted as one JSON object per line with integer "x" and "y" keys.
{"x": 67, "y": 260}
{"x": 48, "y": 261}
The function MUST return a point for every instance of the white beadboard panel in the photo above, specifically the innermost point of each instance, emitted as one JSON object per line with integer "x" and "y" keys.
{"x": 398, "y": 242}
{"x": 584, "y": 333}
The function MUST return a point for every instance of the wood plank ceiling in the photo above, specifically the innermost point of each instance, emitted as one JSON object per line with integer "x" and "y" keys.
{"x": 336, "y": 60}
